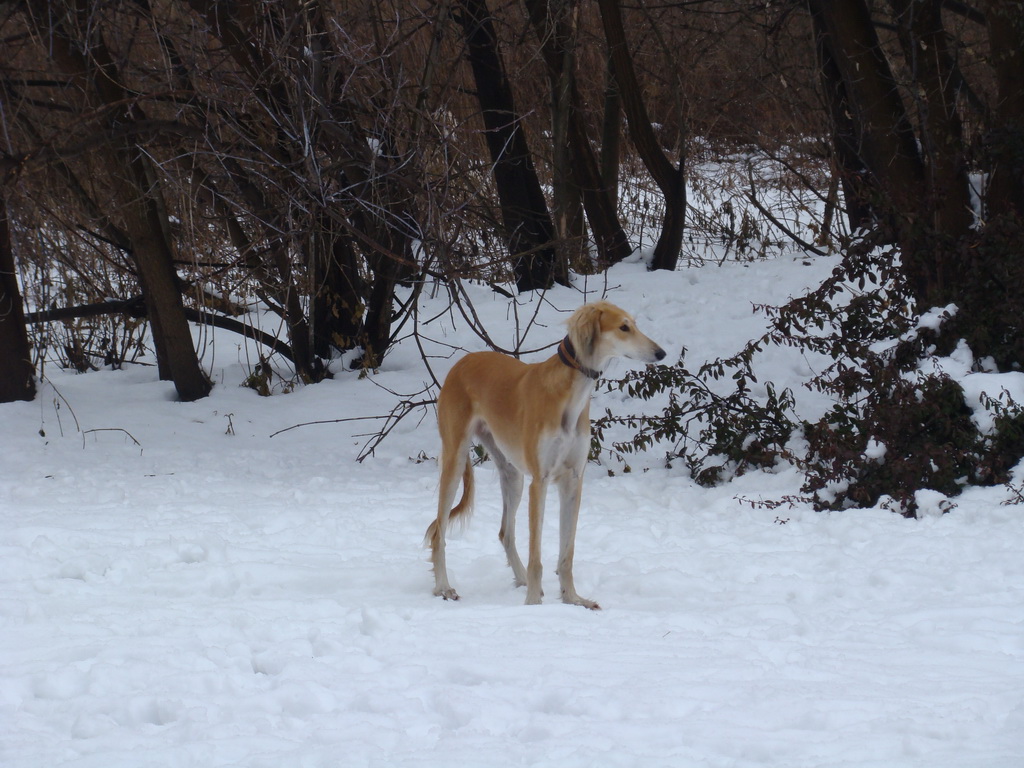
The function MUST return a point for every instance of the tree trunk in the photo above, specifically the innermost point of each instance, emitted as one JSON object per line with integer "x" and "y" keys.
{"x": 671, "y": 180}
{"x": 17, "y": 374}
{"x": 599, "y": 197}
{"x": 925, "y": 48}
{"x": 566, "y": 197}
{"x": 342, "y": 316}
{"x": 859, "y": 186}
{"x": 380, "y": 307}
{"x": 611, "y": 135}
{"x": 529, "y": 232}
{"x": 277, "y": 269}
{"x": 337, "y": 308}
{"x": 1006, "y": 40}
{"x": 885, "y": 138}
{"x": 172, "y": 335}
{"x": 888, "y": 147}
{"x": 555, "y": 25}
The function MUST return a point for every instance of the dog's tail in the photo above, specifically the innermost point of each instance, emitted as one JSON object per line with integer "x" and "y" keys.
{"x": 460, "y": 511}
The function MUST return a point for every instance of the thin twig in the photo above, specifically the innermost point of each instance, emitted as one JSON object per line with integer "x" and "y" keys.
{"x": 326, "y": 421}
{"x": 112, "y": 429}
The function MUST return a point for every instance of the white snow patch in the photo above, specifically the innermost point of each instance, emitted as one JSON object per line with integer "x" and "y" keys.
{"x": 214, "y": 599}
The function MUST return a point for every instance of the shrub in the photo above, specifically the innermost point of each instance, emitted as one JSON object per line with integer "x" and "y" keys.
{"x": 715, "y": 435}
{"x": 898, "y": 423}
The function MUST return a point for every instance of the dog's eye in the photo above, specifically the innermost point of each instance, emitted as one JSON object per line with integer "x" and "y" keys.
{"x": 624, "y": 328}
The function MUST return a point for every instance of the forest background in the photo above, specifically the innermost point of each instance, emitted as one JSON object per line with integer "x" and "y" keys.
{"x": 165, "y": 164}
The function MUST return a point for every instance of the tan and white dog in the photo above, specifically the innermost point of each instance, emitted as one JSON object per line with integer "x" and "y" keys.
{"x": 533, "y": 419}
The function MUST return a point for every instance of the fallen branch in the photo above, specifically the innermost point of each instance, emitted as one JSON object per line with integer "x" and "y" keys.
{"x": 391, "y": 420}
{"x": 325, "y": 421}
{"x": 112, "y": 429}
{"x": 136, "y": 307}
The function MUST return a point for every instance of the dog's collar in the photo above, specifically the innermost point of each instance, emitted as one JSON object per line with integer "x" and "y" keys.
{"x": 567, "y": 354}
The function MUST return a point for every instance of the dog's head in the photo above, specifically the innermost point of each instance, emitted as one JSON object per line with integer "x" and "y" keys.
{"x": 600, "y": 331}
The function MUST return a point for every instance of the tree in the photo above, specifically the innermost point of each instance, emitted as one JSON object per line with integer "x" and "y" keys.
{"x": 257, "y": 148}
{"x": 315, "y": 119}
{"x": 904, "y": 145}
{"x": 134, "y": 185}
{"x": 17, "y": 375}
{"x": 671, "y": 180}
{"x": 1005, "y": 24}
{"x": 882, "y": 133}
{"x": 578, "y": 180}
{"x": 528, "y": 229}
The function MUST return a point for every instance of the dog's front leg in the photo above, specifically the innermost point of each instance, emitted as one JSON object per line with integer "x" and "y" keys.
{"x": 534, "y": 568}
{"x": 570, "y": 489}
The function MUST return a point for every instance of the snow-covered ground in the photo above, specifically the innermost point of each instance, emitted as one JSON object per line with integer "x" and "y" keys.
{"x": 179, "y": 588}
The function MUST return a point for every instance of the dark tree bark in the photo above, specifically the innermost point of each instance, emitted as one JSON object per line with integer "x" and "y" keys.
{"x": 885, "y": 139}
{"x": 275, "y": 279}
{"x": 925, "y": 48}
{"x": 275, "y": 268}
{"x": 303, "y": 93}
{"x": 529, "y": 232}
{"x": 600, "y": 195}
{"x": 236, "y": 28}
{"x": 158, "y": 278}
{"x": 17, "y": 373}
{"x": 385, "y": 216}
{"x": 611, "y": 135}
{"x": 566, "y": 195}
{"x": 1006, "y": 139}
{"x": 337, "y": 294}
{"x": 859, "y": 187}
{"x": 671, "y": 180}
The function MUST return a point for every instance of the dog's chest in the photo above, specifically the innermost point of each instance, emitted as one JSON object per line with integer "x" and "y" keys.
{"x": 566, "y": 443}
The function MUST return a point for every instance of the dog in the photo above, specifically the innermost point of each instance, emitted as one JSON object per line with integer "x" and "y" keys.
{"x": 533, "y": 419}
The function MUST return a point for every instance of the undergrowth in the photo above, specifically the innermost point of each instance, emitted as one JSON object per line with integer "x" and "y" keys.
{"x": 897, "y": 425}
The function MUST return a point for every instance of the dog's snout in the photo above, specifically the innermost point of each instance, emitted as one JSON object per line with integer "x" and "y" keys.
{"x": 659, "y": 354}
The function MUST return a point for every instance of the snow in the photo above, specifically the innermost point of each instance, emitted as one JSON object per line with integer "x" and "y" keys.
{"x": 934, "y": 318}
{"x": 1003, "y": 388}
{"x": 180, "y": 589}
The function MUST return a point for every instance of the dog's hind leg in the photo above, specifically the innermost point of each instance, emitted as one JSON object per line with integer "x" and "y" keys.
{"x": 454, "y": 463}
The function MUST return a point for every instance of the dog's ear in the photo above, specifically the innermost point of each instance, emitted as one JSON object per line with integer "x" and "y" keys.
{"x": 584, "y": 327}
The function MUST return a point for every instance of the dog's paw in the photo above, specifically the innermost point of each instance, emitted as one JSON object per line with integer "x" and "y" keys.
{"x": 447, "y": 594}
{"x": 577, "y": 600}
